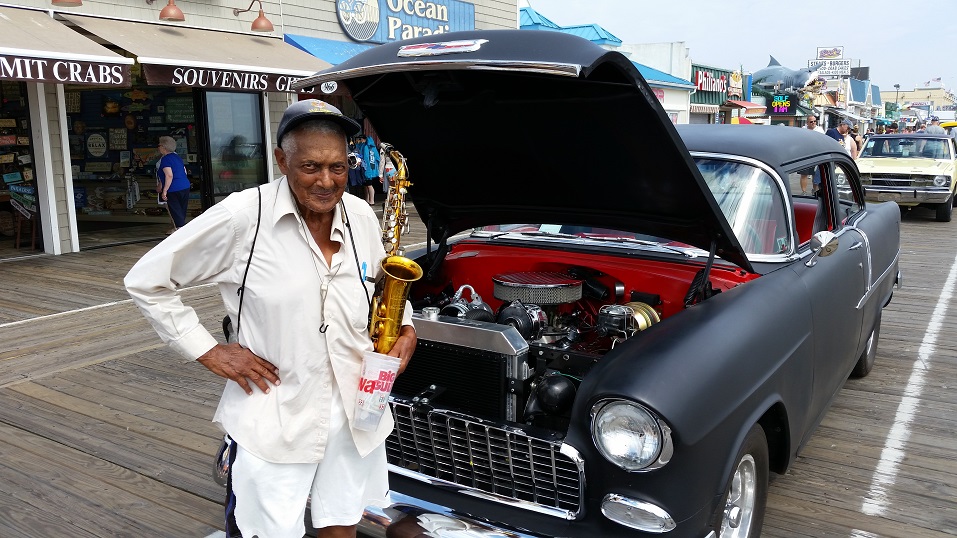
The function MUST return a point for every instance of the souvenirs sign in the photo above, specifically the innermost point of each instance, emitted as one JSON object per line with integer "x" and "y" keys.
{"x": 217, "y": 79}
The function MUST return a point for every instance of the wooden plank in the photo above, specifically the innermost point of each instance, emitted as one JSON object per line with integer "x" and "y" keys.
{"x": 94, "y": 495}
{"x": 143, "y": 453}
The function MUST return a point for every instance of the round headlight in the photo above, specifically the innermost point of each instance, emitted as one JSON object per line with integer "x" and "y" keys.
{"x": 941, "y": 181}
{"x": 627, "y": 434}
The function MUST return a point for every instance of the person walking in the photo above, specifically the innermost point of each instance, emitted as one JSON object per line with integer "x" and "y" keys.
{"x": 806, "y": 174}
{"x": 172, "y": 184}
{"x": 299, "y": 247}
{"x": 841, "y": 134}
{"x": 934, "y": 127}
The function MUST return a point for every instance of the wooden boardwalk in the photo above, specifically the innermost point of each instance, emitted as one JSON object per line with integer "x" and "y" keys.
{"x": 105, "y": 432}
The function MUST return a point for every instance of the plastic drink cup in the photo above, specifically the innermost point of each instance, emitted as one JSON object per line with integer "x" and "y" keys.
{"x": 375, "y": 384}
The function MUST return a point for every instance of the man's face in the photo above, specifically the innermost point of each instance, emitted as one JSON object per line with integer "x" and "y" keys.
{"x": 317, "y": 168}
{"x": 843, "y": 128}
{"x": 811, "y": 123}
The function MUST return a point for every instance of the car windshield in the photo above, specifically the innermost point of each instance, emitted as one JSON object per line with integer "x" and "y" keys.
{"x": 920, "y": 148}
{"x": 749, "y": 198}
{"x": 752, "y": 202}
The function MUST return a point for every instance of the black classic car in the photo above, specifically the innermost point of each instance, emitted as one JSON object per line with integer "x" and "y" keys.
{"x": 624, "y": 326}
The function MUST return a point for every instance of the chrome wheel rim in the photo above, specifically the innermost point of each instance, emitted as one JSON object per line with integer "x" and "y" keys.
{"x": 869, "y": 351}
{"x": 742, "y": 497}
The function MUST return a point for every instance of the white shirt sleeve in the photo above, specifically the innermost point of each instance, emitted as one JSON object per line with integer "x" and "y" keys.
{"x": 205, "y": 251}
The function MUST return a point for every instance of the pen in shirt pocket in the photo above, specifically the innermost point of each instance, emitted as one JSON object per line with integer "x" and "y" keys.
{"x": 364, "y": 266}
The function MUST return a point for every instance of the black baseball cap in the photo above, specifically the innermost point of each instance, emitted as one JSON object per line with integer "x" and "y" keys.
{"x": 313, "y": 109}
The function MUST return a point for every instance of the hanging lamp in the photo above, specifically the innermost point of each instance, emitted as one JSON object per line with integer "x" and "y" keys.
{"x": 172, "y": 13}
{"x": 261, "y": 24}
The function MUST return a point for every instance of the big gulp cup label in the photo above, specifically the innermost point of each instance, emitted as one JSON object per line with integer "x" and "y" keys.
{"x": 383, "y": 383}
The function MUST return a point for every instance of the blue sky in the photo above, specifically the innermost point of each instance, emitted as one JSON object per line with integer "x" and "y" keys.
{"x": 902, "y": 42}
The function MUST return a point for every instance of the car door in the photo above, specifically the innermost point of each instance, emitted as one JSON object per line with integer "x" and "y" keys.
{"x": 835, "y": 285}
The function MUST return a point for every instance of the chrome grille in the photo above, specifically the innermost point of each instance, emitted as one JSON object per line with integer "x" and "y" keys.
{"x": 898, "y": 180}
{"x": 505, "y": 462}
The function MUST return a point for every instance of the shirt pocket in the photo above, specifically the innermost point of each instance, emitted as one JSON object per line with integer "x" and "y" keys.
{"x": 360, "y": 313}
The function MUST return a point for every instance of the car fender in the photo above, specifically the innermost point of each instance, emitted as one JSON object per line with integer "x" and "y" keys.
{"x": 709, "y": 372}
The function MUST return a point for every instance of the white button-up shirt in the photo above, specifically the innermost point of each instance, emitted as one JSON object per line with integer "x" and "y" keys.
{"x": 280, "y": 317}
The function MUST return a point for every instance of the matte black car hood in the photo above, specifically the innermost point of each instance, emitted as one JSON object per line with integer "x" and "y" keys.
{"x": 510, "y": 126}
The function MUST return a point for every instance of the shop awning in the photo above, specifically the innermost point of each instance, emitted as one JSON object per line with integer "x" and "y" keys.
{"x": 655, "y": 77}
{"x": 334, "y": 52}
{"x": 850, "y": 116}
{"x": 36, "y": 48}
{"x": 703, "y": 109}
{"x": 750, "y": 108}
{"x": 176, "y": 56}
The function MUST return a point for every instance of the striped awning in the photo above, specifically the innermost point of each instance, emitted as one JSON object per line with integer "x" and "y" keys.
{"x": 703, "y": 109}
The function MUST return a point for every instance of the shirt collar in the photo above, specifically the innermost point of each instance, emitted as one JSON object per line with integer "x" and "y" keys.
{"x": 286, "y": 205}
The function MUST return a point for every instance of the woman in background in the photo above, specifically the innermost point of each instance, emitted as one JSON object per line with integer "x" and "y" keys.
{"x": 172, "y": 185}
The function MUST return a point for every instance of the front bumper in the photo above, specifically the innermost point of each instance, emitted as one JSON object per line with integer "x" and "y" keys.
{"x": 907, "y": 195}
{"x": 407, "y": 516}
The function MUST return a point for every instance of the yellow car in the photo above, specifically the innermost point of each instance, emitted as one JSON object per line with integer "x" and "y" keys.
{"x": 949, "y": 126}
{"x": 910, "y": 169}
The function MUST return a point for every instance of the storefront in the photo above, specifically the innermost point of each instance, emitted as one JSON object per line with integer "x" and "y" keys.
{"x": 38, "y": 56}
{"x": 672, "y": 92}
{"x": 708, "y": 102}
{"x": 206, "y": 89}
{"x": 98, "y": 91}
{"x": 98, "y": 118}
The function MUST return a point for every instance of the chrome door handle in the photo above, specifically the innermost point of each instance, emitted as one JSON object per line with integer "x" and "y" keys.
{"x": 856, "y": 246}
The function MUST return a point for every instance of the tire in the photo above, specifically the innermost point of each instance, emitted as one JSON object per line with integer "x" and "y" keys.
{"x": 746, "y": 497}
{"x": 944, "y": 211}
{"x": 866, "y": 361}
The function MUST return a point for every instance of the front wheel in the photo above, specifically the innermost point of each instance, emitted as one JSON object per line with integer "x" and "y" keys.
{"x": 747, "y": 493}
{"x": 944, "y": 211}
{"x": 866, "y": 361}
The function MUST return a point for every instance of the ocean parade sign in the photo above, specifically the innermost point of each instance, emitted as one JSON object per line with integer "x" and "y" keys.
{"x": 382, "y": 21}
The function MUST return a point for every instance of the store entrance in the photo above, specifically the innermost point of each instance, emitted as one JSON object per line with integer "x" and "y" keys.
{"x": 20, "y": 232}
{"x": 113, "y": 138}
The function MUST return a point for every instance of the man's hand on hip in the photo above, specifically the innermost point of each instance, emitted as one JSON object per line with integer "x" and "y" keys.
{"x": 235, "y": 362}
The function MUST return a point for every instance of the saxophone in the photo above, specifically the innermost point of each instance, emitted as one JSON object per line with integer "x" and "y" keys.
{"x": 398, "y": 272}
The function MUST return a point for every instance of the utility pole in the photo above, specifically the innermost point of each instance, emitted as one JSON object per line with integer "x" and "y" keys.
{"x": 897, "y": 108}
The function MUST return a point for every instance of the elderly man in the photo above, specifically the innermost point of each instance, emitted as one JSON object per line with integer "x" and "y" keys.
{"x": 934, "y": 127}
{"x": 298, "y": 247}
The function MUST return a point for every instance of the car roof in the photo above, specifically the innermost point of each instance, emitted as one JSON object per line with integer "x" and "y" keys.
{"x": 781, "y": 147}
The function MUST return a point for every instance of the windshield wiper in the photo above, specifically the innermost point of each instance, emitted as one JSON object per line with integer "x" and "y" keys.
{"x": 645, "y": 242}
{"x": 557, "y": 235}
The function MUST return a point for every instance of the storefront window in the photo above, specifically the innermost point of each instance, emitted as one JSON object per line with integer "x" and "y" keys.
{"x": 113, "y": 137}
{"x": 18, "y": 192}
{"x": 238, "y": 155}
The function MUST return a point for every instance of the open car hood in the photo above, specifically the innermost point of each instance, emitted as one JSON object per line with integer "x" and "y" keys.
{"x": 510, "y": 126}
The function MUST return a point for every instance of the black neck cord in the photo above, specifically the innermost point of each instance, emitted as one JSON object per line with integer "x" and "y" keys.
{"x": 242, "y": 288}
{"x": 355, "y": 253}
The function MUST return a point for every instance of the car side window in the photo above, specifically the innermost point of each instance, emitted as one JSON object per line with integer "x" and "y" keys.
{"x": 809, "y": 196}
{"x": 849, "y": 203}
